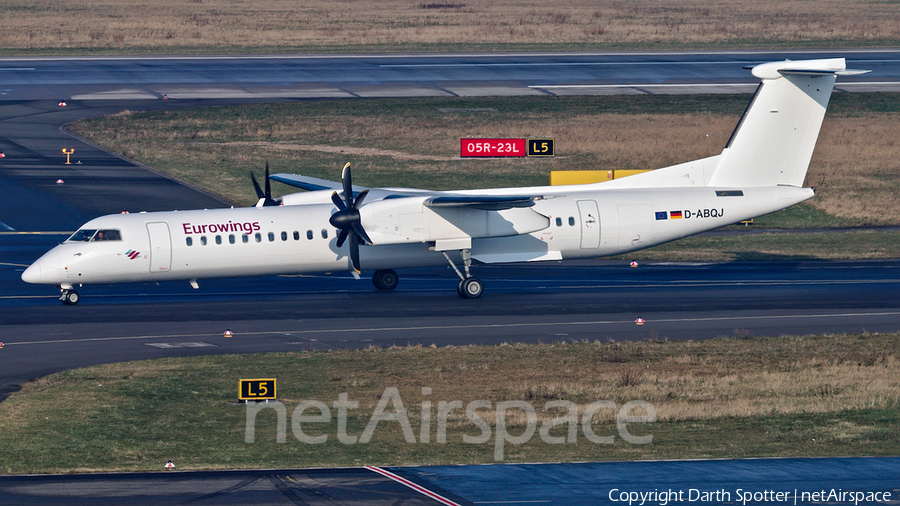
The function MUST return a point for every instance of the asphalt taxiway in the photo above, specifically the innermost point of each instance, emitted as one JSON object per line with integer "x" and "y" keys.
{"x": 793, "y": 481}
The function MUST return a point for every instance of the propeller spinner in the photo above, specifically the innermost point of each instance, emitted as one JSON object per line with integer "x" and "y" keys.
{"x": 347, "y": 220}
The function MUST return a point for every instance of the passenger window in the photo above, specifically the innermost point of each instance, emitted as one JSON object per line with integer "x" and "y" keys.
{"x": 271, "y": 236}
{"x": 258, "y": 237}
{"x": 309, "y": 234}
{"x": 203, "y": 240}
{"x": 245, "y": 238}
{"x": 324, "y": 234}
{"x": 231, "y": 239}
{"x": 558, "y": 222}
{"x": 284, "y": 236}
{"x": 189, "y": 241}
{"x": 296, "y": 235}
{"x": 218, "y": 239}
{"x": 571, "y": 221}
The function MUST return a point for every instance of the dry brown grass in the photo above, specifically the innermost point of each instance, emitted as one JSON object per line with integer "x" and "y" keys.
{"x": 856, "y": 168}
{"x": 129, "y": 25}
{"x": 683, "y": 381}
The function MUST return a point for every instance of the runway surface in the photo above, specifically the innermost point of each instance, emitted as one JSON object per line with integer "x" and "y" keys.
{"x": 531, "y": 303}
{"x": 354, "y": 76}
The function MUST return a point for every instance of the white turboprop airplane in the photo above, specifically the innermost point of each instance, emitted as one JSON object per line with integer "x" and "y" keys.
{"x": 761, "y": 170}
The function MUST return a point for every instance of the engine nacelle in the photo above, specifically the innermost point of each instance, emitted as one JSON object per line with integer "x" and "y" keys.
{"x": 409, "y": 220}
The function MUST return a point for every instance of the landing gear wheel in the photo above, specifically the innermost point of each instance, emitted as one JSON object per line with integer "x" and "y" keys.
{"x": 470, "y": 288}
{"x": 385, "y": 280}
{"x": 70, "y": 297}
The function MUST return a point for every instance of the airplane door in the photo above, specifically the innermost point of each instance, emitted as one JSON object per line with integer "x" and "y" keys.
{"x": 160, "y": 247}
{"x": 635, "y": 225}
{"x": 590, "y": 224}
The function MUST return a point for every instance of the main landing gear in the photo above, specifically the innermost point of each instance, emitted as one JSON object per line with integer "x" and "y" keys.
{"x": 68, "y": 295}
{"x": 385, "y": 280}
{"x": 469, "y": 287}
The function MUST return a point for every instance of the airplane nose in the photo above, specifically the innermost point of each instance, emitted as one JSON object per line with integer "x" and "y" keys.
{"x": 44, "y": 269}
{"x": 32, "y": 274}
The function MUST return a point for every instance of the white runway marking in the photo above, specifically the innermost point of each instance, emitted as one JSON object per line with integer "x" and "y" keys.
{"x": 422, "y": 490}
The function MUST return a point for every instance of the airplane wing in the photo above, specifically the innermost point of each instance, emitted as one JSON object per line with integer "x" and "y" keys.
{"x": 482, "y": 202}
{"x": 311, "y": 183}
{"x": 437, "y": 200}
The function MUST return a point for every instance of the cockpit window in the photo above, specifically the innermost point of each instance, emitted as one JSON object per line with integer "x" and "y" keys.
{"x": 85, "y": 235}
{"x": 82, "y": 235}
{"x": 107, "y": 235}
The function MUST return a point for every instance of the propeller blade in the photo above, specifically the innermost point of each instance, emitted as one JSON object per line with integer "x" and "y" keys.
{"x": 338, "y": 202}
{"x": 354, "y": 251}
{"x": 360, "y": 198}
{"x": 268, "y": 193}
{"x": 259, "y": 192}
{"x": 361, "y": 233}
{"x": 348, "y": 185}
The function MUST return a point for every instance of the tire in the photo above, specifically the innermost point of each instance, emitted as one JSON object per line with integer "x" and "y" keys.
{"x": 70, "y": 298}
{"x": 470, "y": 288}
{"x": 386, "y": 279}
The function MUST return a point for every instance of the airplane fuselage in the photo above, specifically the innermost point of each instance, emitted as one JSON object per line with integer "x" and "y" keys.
{"x": 215, "y": 243}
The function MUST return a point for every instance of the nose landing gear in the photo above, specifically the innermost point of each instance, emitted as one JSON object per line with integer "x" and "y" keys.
{"x": 68, "y": 295}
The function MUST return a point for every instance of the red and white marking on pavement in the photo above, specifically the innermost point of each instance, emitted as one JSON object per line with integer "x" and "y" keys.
{"x": 422, "y": 490}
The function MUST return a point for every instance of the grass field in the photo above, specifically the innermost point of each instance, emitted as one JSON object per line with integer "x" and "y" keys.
{"x": 235, "y": 26}
{"x": 729, "y": 397}
{"x": 411, "y": 142}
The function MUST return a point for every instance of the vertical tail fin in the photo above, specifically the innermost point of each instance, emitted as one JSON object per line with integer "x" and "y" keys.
{"x": 774, "y": 140}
